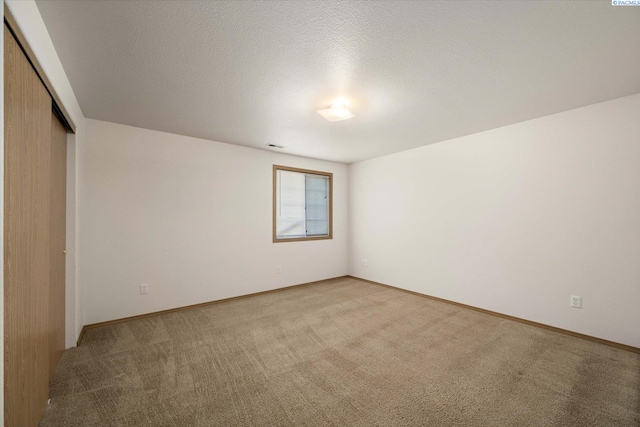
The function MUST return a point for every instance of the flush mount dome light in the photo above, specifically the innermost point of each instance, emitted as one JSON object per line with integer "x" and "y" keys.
{"x": 338, "y": 111}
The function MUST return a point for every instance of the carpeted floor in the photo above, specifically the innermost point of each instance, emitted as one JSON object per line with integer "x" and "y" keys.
{"x": 345, "y": 353}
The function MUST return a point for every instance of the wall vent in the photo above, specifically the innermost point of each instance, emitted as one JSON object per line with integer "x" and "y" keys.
{"x": 275, "y": 146}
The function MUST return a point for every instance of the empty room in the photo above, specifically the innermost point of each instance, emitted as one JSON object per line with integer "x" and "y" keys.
{"x": 320, "y": 213}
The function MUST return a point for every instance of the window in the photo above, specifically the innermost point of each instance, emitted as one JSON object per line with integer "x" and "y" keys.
{"x": 302, "y": 204}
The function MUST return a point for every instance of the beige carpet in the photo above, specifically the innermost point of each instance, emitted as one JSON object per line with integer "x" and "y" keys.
{"x": 345, "y": 353}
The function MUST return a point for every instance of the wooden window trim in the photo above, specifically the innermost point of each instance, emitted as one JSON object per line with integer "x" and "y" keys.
{"x": 276, "y": 168}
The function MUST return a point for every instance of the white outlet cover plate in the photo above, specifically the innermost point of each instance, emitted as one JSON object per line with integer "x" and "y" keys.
{"x": 576, "y": 301}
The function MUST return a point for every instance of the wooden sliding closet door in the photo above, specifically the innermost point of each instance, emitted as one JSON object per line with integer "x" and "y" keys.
{"x": 34, "y": 161}
{"x": 58, "y": 238}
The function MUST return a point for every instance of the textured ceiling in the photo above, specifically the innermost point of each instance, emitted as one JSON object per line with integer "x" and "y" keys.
{"x": 253, "y": 73}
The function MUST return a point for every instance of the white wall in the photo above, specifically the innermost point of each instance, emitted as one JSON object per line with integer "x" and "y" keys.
{"x": 72, "y": 293}
{"x": 513, "y": 220}
{"x": 192, "y": 219}
{"x": 28, "y": 18}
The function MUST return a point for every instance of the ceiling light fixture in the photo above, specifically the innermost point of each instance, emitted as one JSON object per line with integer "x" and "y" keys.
{"x": 338, "y": 111}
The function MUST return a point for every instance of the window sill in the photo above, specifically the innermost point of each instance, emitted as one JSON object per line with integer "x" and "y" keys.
{"x": 301, "y": 239}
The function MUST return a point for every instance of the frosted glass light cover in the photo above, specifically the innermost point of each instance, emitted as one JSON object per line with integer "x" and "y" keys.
{"x": 335, "y": 114}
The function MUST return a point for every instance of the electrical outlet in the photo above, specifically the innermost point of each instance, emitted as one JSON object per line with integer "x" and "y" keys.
{"x": 278, "y": 270}
{"x": 576, "y": 302}
{"x": 365, "y": 263}
{"x": 144, "y": 288}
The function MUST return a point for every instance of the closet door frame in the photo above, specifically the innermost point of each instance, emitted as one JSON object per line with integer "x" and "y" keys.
{"x": 34, "y": 235}
{"x": 61, "y": 111}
